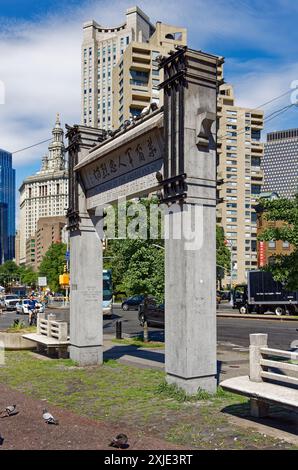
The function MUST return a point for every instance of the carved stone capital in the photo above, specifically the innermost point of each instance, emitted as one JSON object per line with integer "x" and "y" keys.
{"x": 204, "y": 124}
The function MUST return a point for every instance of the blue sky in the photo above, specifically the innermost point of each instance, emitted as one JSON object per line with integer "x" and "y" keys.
{"x": 40, "y": 57}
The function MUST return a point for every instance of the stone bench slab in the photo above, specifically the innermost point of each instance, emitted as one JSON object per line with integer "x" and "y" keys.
{"x": 264, "y": 391}
{"x": 46, "y": 340}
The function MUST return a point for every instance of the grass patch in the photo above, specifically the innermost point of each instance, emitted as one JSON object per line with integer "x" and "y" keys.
{"x": 173, "y": 391}
{"x": 21, "y": 328}
{"x": 133, "y": 397}
{"x": 139, "y": 343}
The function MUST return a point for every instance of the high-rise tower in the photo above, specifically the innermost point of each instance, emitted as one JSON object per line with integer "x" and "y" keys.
{"x": 7, "y": 207}
{"x": 44, "y": 194}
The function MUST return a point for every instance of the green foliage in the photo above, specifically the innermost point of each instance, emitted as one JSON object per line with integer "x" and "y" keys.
{"x": 137, "y": 267}
{"x": 21, "y": 327}
{"x": 9, "y": 271}
{"x": 29, "y": 277}
{"x": 223, "y": 254}
{"x": 139, "y": 342}
{"x": 52, "y": 265}
{"x": 17, "y": 325}
{"x": 9, "y": 268}
{"x": 138, "y": 264}
{"x": 285, "y": 267}
{"x": 171, "y": 391}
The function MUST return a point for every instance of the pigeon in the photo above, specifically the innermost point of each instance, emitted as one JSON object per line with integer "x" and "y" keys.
{"x": 10, "y": 410}
{"x": 120, "y": 441}
{"x": 1, "y": 440}
{"x": 49, "y": 419}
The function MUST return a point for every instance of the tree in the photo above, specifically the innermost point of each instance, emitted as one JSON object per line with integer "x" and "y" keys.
{"x": 52, "y": 265}
{"x": 285, "y": 267}
{"x": 223, "y": 254}
{"x": 28, "y": 277}
{"x": 138, "y": 265}
{"x": 9, "y": 268}
{"x": 10, "y": 272}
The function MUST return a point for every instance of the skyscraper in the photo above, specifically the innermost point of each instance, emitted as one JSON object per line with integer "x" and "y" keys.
{"x": 44, "y": 194}
{"x": 7, "y": 207}
{"x": 101, "y": 50}
{"x": 280, "y": 163}
{"x": 240, "y": 154}
{"x": 136, "y": 77}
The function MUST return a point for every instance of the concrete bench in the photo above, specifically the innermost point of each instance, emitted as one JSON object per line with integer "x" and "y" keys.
{"x": 272, "y": 378}
{"x": 50, "y": 334}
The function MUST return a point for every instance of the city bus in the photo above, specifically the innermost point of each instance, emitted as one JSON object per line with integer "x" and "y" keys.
{"x": 107, "y": 294}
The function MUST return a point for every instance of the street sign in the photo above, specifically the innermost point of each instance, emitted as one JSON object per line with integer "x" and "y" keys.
{"x": 67, "y": 255}
{"x": 42, "y": 281}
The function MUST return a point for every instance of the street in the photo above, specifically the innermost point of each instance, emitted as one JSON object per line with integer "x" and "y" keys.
{"x": 229, "y": 330}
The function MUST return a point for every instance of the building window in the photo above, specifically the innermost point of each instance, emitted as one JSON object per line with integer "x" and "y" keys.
{"x": 272, "y": 244}
{"x": 253, "y": 216}
{"x": 285, "y": 244}
{"x": 135, "y": 111}
{"x": 255, "y": 161}
{"x": 255, "y": 189}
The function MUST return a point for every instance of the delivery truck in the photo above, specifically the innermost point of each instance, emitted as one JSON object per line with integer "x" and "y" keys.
{"x": 263, "y": 294}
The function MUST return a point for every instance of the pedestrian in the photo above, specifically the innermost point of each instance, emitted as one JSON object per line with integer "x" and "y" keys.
{"x": 31, "y": 307}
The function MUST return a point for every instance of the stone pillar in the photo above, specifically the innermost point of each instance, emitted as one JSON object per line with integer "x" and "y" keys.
{"x": 257, "y": 341}
{"x": 189, "y": 190}
{"x": 86, "y": 317}
{"x": 258, "y": 408}
{"x": 190, "y": 315}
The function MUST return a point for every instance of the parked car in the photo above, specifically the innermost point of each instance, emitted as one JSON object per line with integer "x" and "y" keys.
{"x": 225, "y": 295}
{"x": 22, "y": 307}
{"x": 152, "y": 312}
{"x": 10, "y": 302}
{"x": 218, "y": 298}
{"x": 132, "y": 303}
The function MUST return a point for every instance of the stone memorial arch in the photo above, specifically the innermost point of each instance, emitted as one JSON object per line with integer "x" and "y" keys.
{"x": 172, "y": 150}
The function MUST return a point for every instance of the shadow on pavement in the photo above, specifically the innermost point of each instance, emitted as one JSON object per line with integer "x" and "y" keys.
{"x": 116, "y": 352}
{"x": 279, "y": 419}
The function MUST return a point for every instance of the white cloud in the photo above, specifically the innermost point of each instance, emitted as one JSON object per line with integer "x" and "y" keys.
{"x": 257, "y": 83}
{"x": 41, "y": 72}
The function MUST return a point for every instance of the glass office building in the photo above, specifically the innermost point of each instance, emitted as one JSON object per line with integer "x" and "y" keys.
{"x": 7, "y": 207}
{"x": 280, "y": 163}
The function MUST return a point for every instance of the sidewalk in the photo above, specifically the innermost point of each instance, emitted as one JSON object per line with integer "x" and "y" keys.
{"x": 232, "y": 359}
{"x": 248, "y": 316}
